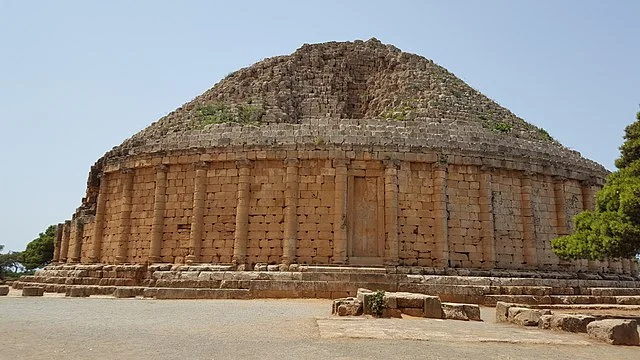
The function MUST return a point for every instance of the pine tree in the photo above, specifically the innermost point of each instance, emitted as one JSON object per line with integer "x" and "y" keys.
{"x": 613, "y": 228}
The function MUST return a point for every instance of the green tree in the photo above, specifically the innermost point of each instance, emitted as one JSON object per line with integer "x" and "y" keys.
{"x": 613, "y": 228}
{"x": 9, "y": 263}
{"x": 39, "y": 251}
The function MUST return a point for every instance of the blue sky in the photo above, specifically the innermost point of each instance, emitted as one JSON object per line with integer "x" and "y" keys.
{"x": 78, "y": 77}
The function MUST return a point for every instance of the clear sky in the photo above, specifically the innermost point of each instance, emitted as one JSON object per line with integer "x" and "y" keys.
{"x": 79, "y": 77}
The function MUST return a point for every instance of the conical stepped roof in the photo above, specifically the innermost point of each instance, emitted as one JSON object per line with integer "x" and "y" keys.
{"x": 361, "y": 93}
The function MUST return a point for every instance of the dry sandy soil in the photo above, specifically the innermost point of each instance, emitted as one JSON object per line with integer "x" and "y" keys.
{"x": 54, "y": 327}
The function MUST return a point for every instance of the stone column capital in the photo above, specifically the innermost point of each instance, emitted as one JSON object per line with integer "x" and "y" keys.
{"x": 391, "y": 163}
{"x": 590, "y": 181}
{"x": 126, "y": 170}
{"x": 527, "y": 174}
{"x": 291, "y": 162}
{"x": 244, "y": 164}
{"x": 341, "y": 162}
{"x": 202, "y": 165}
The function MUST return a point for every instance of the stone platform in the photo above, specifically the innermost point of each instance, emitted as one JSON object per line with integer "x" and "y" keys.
{"x": 171, "y": 281}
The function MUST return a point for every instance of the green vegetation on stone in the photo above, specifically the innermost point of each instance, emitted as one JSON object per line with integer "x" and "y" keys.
{"x": 376, "y": 303}
{"x": 402, "y": 112}
{"x": 612, "y": 230}
{"x": 219, "y": 113}
{"x": 502, "y": 127}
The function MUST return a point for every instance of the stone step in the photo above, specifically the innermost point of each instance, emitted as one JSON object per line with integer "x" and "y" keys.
{"x": 191, "y": 293}
{"x": 614, "y": 291}
{"x": 561, "y": 300}
{"x": 343, "y": 269}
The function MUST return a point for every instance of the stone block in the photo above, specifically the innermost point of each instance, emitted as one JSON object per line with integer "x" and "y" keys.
{"x": 407, "y": 300}
{"x": 464, "y": 312}
{"x": 347, "y": 307}
{"x": 545, "y": 322}
{"x": 502, "y": 311}
{"x": 615, "y": 331}
{"x": 32, "y": 291}
{"x": 527, "y": 317}
{"x": 432, "y": 307}
{"x": 128, "y": 292}
{"x": 4, "y": 290}
{"x": 412, "y": 311}
{"x": 570, "y": 322}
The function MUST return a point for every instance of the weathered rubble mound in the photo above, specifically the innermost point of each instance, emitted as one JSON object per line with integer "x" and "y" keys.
{"x": 357, "y": 81}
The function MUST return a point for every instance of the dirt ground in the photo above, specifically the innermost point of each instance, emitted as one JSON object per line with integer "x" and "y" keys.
{"x": 54, "y": 327}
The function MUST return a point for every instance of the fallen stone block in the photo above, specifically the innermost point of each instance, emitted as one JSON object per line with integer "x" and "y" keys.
{"x": 4, "y": 290}
{"x": 347, "y": 307}
{"x": 615, "y": 331}
{"x": 528, "y": 317}
{"x": 502, "y": 311}
{"x": 32, "y": 291}
{"x": 571, "y": 322}
{"x": 545, "y": 322}
{"x": 463, "y": 312}
{"x": 432, "y": 307}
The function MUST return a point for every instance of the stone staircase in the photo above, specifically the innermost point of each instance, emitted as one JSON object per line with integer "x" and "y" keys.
{"x": 169, "y": 281}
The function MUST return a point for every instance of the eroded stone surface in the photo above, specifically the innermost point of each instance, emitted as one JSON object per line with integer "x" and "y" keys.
{"x": 570, "y": 322}
{"x": 461, "y": 311}
{"x": 615, "y": 331}
{"x": 32, "y": 291}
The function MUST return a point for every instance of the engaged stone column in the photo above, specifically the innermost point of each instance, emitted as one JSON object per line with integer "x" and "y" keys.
{"x": 340, "y": 212}
{"x": 561, "y": 210}
{"x": 588, "y": 190}
{"x": 441, "y": 213}
{"x": 291, "y": 212}
{"x": 57, "y": 243}
{"x": 98, "y": 230}
{"x": 487, "y": 232}
{"x": 157, "y": 227}
{"x": 197, "y": 218}
{"x": 242, "y": 213}
{"x": 528, "y": 227}
{"x": 125, "y": 216}
{"x": 391, "y": 211}
{"x": 76, "y": 254}
{"x": 64, "y": 246}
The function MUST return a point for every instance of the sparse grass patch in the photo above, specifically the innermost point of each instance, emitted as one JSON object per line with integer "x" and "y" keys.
{"x": 219, "y": 113}
{"x": 402, "y": 112}
{"x": 502, "y": 127}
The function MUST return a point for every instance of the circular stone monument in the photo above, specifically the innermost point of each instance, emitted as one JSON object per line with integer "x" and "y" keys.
{"x": 351, "y": 153}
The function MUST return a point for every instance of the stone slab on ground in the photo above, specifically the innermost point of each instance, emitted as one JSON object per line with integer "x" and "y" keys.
{"x": 347, "y": 307}
{"x": 570, "y": 322}
{"x": 502, "y": 311}
{"x": 525, "y": 316}
{"x": 455, "y": 311}
{"x": 615, "y": 331}
{"x": 32, "y": 291}
{"x": 4, "y": 290}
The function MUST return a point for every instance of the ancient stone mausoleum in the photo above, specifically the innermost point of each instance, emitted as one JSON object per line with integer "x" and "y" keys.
{"x": 349, "y": 153}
